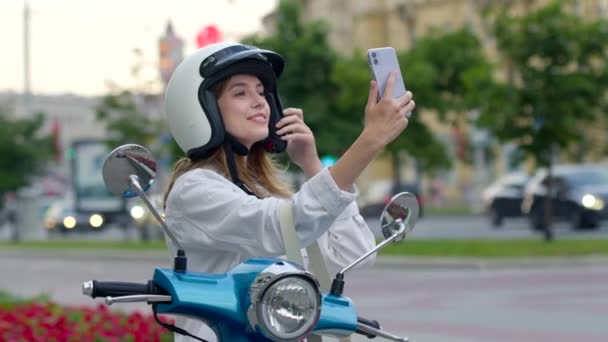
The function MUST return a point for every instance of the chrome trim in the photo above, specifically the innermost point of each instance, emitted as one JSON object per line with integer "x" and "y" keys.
{"x": 87, "y": 288}
{"x": 139, "y": 298}
{"x": 268, "y": 277}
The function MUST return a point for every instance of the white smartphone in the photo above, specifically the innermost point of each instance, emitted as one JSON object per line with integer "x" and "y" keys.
{"x": 381, "y": 62}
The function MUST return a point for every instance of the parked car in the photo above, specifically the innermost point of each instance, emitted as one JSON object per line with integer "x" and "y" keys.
{"x": 579, "y": 194}
{"x": 380, "y": 193}
{"x": 503, "y": 198}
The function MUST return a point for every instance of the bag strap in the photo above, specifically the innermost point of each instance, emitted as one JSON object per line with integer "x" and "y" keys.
{"x": 290, "y": 239}
{"x": 316, "y": 264}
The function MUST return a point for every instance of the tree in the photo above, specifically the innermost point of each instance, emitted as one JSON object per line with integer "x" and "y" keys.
{"x": 332, "y": 89}
{"x": 307, "y": 81}
{"x": 122, "y": 112}
{"x": 125, "y": 121}
{"x": 441, "y": 69}
{"x": 558, "y": 76}
{"x": 353, "y": 76}
{"x": 24, "y": 150}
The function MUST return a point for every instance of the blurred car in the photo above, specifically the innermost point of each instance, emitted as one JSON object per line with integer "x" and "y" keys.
{"x": 62, "y": 217}
{"x": 381, "y": 192}
{"x": 579, "y": 194}
{"x": 503, "y": 198}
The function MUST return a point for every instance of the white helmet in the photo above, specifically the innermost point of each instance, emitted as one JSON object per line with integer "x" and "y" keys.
{"x": 191, "y": 106}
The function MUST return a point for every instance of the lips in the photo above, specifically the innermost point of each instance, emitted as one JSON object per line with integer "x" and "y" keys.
{"x": 258, "y": 118}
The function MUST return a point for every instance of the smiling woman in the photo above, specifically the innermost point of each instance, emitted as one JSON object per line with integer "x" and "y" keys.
{"x": 225, "y": 199}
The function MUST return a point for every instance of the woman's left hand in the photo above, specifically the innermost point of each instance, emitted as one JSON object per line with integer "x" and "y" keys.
{"x": 301, "y": 146}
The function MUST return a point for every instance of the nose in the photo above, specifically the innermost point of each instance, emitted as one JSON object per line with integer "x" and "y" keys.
{"x": 259, "y": 101}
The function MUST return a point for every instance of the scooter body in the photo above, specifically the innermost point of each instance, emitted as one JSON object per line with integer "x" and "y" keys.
{"x": 223, "y": 301}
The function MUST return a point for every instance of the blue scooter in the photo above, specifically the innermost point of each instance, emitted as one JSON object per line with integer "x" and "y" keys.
{"x": 261, "y": 299}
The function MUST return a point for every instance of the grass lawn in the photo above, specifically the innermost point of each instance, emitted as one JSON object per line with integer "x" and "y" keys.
{"x": 447, "y": 211}
{"x": 497, "y": 248}
{"x": 421, "y": 248}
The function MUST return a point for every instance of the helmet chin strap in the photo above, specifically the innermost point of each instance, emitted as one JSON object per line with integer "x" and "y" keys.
{"x": 232, "y": 146}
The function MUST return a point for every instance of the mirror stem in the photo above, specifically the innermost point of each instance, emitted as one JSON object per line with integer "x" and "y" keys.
{"x": 180, "y": 264}
{"x": 337, "y": 286}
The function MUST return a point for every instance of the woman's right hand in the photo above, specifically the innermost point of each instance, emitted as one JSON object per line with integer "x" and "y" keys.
{"x": 387, "y": 118}
{"x": 384, "y": 121}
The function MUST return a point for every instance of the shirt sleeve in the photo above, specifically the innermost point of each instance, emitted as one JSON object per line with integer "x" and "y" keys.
{"x": 347, "y": 239}
{"x": 208, "y": 211}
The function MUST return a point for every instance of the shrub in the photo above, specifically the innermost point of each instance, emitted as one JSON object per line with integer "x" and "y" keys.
{"x": 43, "y": 320}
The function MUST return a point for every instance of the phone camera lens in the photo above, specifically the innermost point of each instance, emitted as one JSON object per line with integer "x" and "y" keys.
{"x": 373, "y": 54}
{"x": 375, "y": 61}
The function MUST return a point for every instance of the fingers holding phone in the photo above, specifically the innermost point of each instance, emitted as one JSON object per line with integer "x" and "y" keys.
{"x": 386, "y": 119}
{"x": 407, "y": 104}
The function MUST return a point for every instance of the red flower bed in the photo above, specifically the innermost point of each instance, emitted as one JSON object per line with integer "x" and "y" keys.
{"x": 47, "y": 321}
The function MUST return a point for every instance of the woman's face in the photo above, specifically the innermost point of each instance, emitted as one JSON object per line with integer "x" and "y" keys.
{"x": 244, "y": 109}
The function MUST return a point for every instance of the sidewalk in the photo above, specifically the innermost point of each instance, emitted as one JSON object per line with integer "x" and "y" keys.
{"x": 405, "y": 262}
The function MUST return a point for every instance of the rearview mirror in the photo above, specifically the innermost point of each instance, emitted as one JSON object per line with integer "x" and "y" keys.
{"x": 122, "y": 164}
{"x": 402, "y": 208}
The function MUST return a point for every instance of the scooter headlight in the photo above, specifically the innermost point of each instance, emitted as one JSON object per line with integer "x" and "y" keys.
{"x": 285, "y": 306}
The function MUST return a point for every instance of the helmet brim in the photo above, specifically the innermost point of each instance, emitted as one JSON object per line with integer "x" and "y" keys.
{"x": 233, "y": 54}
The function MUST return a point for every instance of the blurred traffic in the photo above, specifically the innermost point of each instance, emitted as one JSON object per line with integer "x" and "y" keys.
{"x": 576, "y": 194}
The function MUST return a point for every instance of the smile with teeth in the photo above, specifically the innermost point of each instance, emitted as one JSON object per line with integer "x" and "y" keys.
{"x": 258, "y": 118}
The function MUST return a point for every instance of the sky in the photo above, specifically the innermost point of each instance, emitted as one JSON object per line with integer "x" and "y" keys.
{"x": 78, "y": 46}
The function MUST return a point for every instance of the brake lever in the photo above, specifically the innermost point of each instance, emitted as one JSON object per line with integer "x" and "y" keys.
{"x": 377, "y": 332}
{"x": 139, "y": 298}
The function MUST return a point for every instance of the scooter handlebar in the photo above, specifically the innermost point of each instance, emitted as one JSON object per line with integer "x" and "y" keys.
{"x": 370, "y": 323}
{"x": 371, "y": 328}
{"x": 95, "y": 288}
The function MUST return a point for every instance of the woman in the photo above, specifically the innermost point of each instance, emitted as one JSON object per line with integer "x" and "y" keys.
{"x": 223, "y": 200}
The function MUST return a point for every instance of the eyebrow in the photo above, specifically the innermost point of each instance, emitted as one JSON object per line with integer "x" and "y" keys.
{"x": 243, "y": 84}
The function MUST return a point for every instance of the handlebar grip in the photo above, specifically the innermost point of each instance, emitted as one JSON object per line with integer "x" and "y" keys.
{"x": 96, "y": 288}
{"x": 368, "y": 322}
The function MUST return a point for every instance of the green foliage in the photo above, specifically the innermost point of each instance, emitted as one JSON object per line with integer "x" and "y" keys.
{"x": 558, "y": 78}
{"x": 307, "y": 81}
{"x": 332, "y": 89}
{"x": 125, "y": 121}
{"x": 23, "y": 148}
{"x": 443, "y": 67}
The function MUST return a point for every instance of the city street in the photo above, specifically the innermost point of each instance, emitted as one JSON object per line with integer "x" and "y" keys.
{"x": 478, "y": 227}
{"x": 449, "y": 227}
{"x": 558, "y": 303}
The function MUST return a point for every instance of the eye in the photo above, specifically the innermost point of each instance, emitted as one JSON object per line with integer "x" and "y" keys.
{"x": 239, "y": 93}
{"x": 261, "y": 93}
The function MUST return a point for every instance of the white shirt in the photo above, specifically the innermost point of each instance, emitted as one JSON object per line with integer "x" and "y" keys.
{"x": 220, "y": 226}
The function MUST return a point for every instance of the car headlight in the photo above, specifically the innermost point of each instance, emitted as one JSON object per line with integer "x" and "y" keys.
{"x": 96, "y": 220}
{"x": 137, "y": 212}
{"x": 285, "y": 303}
{"x": 69, "y": 222}
{"x": 592, "y": 202}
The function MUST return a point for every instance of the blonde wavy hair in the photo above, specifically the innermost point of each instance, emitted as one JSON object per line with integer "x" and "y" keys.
{"x": 260, "y": 172}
